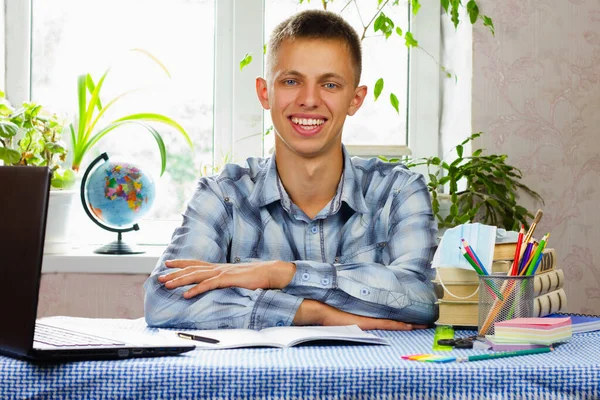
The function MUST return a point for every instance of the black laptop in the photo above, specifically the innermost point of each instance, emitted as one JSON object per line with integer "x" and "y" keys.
{"x": 23, "y": 208}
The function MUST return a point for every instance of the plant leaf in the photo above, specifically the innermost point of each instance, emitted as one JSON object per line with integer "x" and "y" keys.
{"x": 9, "y": 156}
{"x": 409, "y": 40}
{"x": 94, "y": 103}
{"x": 384, "y": 24}
{"x": 394, "y": 102}
{"x": 473, "y": 11}
{"x": 89, "y": 82}
{"x": 399, "y": 31}
{"x": 158, "y": 118}
{"x": 378, "y": 88}
{"x": 487, "y": 21}
{"x": 459, "y": 151}
{"x": 115, "y": 124}
{"x": 415, "y": 5}
{"x": 81, "y": 99}
{"x": 156, "y": 60}
{"x": 445, "y": 4}
{"x": 245, "y": 61}
{"x": 8, "y": 129}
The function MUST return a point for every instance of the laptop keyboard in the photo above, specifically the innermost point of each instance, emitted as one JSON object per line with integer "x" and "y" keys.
{"x": 65, "y": 338}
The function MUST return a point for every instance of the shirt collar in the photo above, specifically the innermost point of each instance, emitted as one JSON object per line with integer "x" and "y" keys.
{"x": 268, "y": 188}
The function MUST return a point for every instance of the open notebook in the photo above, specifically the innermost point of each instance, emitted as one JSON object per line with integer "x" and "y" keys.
{"x": 285, "y": 336}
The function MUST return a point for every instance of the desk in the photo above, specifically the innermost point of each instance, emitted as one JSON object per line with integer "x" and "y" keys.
{"x": 313, "y": 372}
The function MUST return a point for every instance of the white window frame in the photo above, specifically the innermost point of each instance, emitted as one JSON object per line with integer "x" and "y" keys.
{"x": 238, "y": 116}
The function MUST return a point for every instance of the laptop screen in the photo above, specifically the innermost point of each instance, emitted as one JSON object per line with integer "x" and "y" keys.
{"x": 24, "y": 191}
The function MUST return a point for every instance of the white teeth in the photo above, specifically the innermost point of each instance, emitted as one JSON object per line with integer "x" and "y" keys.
{"x": 308, "y": 121}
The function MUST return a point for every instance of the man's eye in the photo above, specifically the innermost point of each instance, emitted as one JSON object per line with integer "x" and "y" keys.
{"x": 331, "y": 85}
{"x": 290, "y": 82}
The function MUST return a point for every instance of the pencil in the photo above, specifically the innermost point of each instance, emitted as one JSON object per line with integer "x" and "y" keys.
{"x": 539, "y": 254}
{"x": 527, "y": 261}
{"x": 515, "y": 266}
{"x": 503, "y": 354}
{"x": 525, "y": 256}
{"x": 473, "y": 255}
{"x": 490, "y": 286}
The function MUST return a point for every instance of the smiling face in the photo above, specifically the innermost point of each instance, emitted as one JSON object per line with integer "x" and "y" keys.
{"x": 310, "y": 91}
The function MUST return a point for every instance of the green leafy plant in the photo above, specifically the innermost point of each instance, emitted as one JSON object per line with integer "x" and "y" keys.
{"x": 491, "y": 193}
{"x": 32, "y": 136}
{"x": 88, "y": 130}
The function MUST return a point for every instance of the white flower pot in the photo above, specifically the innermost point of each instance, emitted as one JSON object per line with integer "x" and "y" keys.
{"x": 58, "y": 222}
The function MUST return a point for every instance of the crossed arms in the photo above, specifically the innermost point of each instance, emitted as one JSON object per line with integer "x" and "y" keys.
{"x": 194, "y": 285}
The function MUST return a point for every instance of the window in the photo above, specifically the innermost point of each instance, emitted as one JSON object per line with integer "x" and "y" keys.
{"x": 50, "y": 42}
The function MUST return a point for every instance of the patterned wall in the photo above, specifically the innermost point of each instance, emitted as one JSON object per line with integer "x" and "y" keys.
{"x": 92, "y": 295}
{"x": 536, "y": 94}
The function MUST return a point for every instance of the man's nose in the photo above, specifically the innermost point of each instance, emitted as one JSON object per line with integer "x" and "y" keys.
{"x": 309, "y": 96}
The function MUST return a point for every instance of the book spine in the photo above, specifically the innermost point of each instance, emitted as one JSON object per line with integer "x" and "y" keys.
{"x": 548, "y": 261}
{"x": 548, "y": 282}
{"x": 550, "y": 303}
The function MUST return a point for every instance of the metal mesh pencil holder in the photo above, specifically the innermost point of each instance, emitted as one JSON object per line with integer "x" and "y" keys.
{"x": 502, "y": 298}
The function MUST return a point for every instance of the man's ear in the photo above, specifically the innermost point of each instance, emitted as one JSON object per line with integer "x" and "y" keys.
{"x": 262, "y": 93}
{"x": 359, "y": 97}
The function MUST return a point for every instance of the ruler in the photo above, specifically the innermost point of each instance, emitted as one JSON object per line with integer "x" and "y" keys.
{"x": 442, "y": 332}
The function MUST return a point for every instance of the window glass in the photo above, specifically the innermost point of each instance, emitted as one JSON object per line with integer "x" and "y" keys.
{"x": 71, "y": 37}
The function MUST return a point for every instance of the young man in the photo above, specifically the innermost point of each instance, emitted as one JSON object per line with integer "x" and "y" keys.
{"x": 308, "y": 236}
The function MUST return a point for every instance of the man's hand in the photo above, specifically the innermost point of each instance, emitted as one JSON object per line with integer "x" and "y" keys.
{"x": 209, "y": 276}
{"x": 312, "y": 312}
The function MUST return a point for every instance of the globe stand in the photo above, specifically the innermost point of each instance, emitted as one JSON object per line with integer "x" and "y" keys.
{"x": 118, "y": 246}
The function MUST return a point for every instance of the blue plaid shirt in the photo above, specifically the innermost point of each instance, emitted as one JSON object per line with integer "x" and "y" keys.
{"x": 367, "y": 252}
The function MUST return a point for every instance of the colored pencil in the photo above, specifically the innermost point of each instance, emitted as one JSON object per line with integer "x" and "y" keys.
{"x": 473, "y": 255}
{"x": 490, "y": 286}
{"x": 503, "y": 354}
{"x": 525, "y": 256}
{"x": 540, "y": 254}
{"x": 515, "y": 266}
{"x": 527, "y": 262}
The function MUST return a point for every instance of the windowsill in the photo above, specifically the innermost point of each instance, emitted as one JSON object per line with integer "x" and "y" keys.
{"x": 84, "y": 260}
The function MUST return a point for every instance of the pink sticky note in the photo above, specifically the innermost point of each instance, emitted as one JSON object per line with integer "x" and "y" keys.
{"x": 535, "y": 323}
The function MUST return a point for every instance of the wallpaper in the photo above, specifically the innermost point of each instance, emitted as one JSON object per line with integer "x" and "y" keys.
{"x": 536, "y": 95}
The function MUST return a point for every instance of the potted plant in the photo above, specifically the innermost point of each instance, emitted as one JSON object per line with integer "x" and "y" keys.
{"x": 31, "y": 135}
{"x": 89, "y": 127}
{"x": 491, "y": 190}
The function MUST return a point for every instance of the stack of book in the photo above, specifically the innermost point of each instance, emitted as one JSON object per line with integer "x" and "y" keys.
{"x": 458, "y": 294}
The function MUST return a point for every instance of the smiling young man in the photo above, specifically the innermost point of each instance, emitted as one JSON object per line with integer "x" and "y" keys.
{"x": 308, "y": 236}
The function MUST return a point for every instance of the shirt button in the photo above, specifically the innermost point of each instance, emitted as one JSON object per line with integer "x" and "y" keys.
{"x": 305, "y": 276}
{"x": 280, "y": 323}
{"x": 325, "y": 281}
{"x": 237, "y": 259}
{"x": 226, "y": 199}
{"x": 336, "y": 260}
{"x": 314, "y": 229}
{"x": 364, "y": 291}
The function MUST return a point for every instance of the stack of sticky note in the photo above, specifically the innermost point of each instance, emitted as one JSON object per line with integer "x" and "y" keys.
{"x": 531, "y": 331}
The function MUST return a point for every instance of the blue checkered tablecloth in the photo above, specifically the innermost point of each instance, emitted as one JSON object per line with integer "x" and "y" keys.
{"x": 572, "y": 371}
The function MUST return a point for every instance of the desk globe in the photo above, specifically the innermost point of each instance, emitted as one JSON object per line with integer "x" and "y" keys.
{"x": 115, "y": 195}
